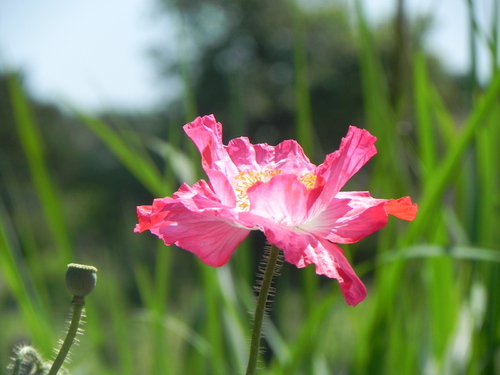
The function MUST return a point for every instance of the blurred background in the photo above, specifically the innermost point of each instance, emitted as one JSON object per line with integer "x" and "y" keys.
{"x": 93, "y": 96}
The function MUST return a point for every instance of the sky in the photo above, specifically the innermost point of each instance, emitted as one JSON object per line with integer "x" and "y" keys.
{"x": 84, "y": 51}
{"x": 87, "y": 53}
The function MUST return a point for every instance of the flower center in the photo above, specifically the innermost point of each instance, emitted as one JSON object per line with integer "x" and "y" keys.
{"x": 244, "y": 180}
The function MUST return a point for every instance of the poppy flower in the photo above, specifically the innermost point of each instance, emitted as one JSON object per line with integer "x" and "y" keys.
{"x": 275, "y": 189}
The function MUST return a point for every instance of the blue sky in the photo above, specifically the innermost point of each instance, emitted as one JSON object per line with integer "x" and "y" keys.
{"x": 71, "y": 51}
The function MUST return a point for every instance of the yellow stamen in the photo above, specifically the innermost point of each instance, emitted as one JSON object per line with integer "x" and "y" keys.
{"x": 244, "y": 180}
{"x": 308, "y": 180}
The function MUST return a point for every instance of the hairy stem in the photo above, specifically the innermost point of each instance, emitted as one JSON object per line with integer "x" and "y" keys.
{"x": 78, "y": 303}
{"x": 260, "y": 309}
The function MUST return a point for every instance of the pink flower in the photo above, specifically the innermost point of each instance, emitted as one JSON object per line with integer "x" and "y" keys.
{"x": 277, "y": 190}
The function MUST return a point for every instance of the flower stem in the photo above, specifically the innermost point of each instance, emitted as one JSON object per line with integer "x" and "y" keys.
{"x": 78, "y": 303}
{"x": 260, "y": 309}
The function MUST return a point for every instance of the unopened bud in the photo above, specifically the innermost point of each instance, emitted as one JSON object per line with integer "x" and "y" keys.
{"x": 80, "y": 279}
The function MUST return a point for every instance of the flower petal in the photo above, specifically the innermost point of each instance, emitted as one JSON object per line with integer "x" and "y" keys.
{"x": 347, "y": 220}
{"x": 303, "y": 249}
{"x": 356, "y": 148}
{"x": 206, "y": 133}
{"x": 402, "y": 208}
{"x": 195, "y": 223}
{"x": 283, "y": 199}
{"x": 329, "y": 255}
{"x": 222, "y": 187}
{"x": 287, "y": 157}
{"x": 242, "y": 156}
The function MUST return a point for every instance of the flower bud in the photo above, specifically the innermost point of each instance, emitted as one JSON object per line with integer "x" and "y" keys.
{"x": 80, "y": 279}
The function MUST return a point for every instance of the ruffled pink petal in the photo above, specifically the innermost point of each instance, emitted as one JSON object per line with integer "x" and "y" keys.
{"x": 206, "y": 133}
{"x": 242, "y": 156}
{"x": 356, "y": 148}
{"x": 402, "y": 208}
{"x": 283, "y": 199}
{"x": 287, "y": 157}
{"x": 347, "y": 221}
{"x": 286, "y": 201}
{"x": 212, "y": 238}
{"x": 327, "y": 257}
{"x": 221, "y": 185}
{"x": 194, "y": 222}
{"x": 302, "y": 249}
{"x": 200, "y": 190}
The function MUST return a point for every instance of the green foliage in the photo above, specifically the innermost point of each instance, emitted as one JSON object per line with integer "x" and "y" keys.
{"x": 432, "y": 305}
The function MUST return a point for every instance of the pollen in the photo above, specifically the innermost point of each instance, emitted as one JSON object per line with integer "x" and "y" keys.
{"x": 308, "y": 179}
{"x": 244, "y": 180}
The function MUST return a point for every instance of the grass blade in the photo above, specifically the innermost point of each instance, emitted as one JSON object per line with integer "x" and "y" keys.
{"x": 142, "y": 168}
{"x": 33, "y": 146}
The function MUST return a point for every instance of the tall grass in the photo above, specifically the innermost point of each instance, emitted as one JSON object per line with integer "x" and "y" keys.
{"x": 432, "y": 308}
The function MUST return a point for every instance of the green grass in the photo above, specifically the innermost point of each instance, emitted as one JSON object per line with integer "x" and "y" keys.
{"x": 432, "y": 282}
